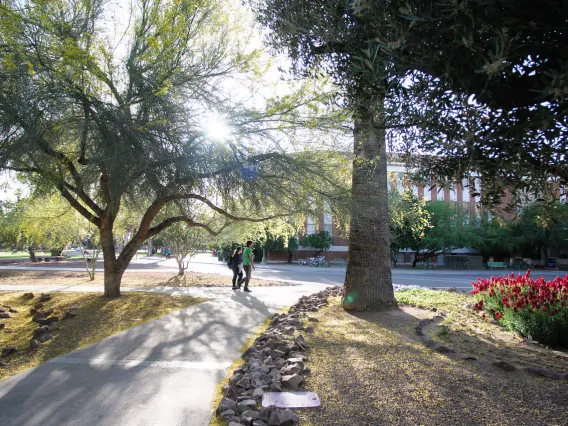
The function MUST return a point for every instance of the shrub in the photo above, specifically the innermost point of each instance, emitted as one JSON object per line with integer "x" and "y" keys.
{"x": 536, "y": 309}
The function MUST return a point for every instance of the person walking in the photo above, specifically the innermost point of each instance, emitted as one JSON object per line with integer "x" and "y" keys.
{"x": 237, "y": 267}
{"x": 248, "y": 263}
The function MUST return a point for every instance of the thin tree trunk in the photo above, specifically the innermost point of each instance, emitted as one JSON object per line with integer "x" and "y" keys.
{"x": 113, "y": 270}
{"x": 368, "y": 281}
{"x": 180, "y": 267}
{"x": 32, "y": 255}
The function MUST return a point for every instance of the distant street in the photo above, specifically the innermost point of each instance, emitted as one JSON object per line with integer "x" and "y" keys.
{"x": 285, "y": 272}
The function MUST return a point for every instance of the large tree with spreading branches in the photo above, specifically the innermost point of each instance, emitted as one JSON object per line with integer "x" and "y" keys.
{"x": 480, "y": 84}
{"x": 112, "y": 113}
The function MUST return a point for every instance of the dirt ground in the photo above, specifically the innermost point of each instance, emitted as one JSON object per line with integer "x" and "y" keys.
{"x": 130, "y": 279}
{"x": 373, "y": 368}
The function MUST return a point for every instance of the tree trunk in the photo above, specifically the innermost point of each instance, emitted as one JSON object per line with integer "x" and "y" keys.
{"x": 32, "y": 255}
{"x": 113, "y": 270}
{"x": 290, "y": 254}
{"x": 181, "y": 269}
{"x": 415, "y": 261}
{"x": 368, "y": 281}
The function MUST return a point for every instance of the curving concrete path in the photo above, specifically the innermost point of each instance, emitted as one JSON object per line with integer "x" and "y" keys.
{"x": 161, "y": 373}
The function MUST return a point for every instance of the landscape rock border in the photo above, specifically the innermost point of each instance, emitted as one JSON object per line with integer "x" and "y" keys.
{"x": 420, "y": 330}
{"x": 45, "y": 319}
{"x": 274, "y": 363}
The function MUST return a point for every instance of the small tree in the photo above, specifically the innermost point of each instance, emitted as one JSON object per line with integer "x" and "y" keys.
{"x": 320, "y": 241}
{"x": 409, "y": 220}
{"x": 184, "y": 242}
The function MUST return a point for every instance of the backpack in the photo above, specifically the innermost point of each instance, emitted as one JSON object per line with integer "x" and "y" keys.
{"x": 230, "y": 262}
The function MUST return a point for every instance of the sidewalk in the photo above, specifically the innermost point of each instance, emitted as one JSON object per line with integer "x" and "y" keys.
{"x": 162, "y": 372}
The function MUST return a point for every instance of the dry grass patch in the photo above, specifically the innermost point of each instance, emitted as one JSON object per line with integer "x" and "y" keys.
{"x": 97, "y": 317}
{"x": 371, "y": 368}
{"x": 129, "y": 279}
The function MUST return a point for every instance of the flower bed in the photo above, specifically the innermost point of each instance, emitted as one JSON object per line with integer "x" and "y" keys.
{"x": 536, "y": 309}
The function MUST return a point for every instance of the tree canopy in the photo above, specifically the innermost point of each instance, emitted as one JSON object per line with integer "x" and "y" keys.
{"x": 115, "y": 118}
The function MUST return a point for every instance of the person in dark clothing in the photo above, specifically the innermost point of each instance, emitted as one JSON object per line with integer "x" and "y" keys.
{"x": 237, "y": 267}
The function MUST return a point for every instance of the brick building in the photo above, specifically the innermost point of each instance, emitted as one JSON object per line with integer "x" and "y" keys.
{"x": 465, "y": 193}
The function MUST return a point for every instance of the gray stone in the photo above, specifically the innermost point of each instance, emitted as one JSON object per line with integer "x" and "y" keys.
{"x": 45, "y": 337}
{"x": 227, "y": 413}
{"x": 38, "y": 316}
{"x": 225, "y": 387}
{"x": 300, "y": 341}
{"x": 28, "y": 296}
{"x": 264, "y": 413}
{"x": 236, "y": 378}
{"x": 34, "y": 344}
{"x": 275, "y": 387}
{"x": 258, "y": 392}
{"x": 292, "y": 381}
{"x": 48, "y": 321}
{"x": 279, "y": 362}
{"x": 47, "y": 312}
{"x": 68, "y": 314}
{"x": 277, "y": 354}
{"x": 259, "y": 423}
{"x": 8, "y": 350}
{"x": 40, "y": 331}
{"x": 226, "y": 404}
{"x": 244, "y": 382}
{"x": 253, "y": 415}
{"x": 309, "y": 329}
{"x": 306, "y": 371}
{"x": 14, "y": 311}
{"x": 44, "y": 297}
{"x": 235, "y": 424}
{"x": 53, "y": 326}
{"x": 312, "y": 319}
{"x": 285, "y": 417}
{"x": 247, "y": 404}
{"x": 5, "y": 315}
{"x": 2, "y": 325}
{"x": 292, "y": 369}
{"x": 295, "y": 322}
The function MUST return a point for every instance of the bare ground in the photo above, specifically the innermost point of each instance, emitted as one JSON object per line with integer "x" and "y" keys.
{"x": 373, "y": 369}
{"x": 130, "y": 279}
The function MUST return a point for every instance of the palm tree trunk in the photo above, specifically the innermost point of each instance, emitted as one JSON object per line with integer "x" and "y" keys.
{"x": 368, "y": 281}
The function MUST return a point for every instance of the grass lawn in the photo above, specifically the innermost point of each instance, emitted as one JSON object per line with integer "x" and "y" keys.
{"x": 97, "y": 318}
{"x": 129, "y": 279}
{"x": 19, "y": 254}
{"x": 372, "y": 368}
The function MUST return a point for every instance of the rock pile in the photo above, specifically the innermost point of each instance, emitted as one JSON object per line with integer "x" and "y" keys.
{"x": 274, "y": 363}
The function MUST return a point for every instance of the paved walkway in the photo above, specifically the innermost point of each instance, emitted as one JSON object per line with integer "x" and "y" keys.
{"x": 161, "y": 373}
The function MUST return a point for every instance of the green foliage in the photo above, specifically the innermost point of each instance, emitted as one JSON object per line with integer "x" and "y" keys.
{"x": 450, "y": 228}
{"x": 542, "y": 225}
{"x": 113, "y": 126}
{"x": 184, "y": 242}
{"x": 320, "y": 240}
{"x": 409, "y": 220}
{"x": 482, "y": 85}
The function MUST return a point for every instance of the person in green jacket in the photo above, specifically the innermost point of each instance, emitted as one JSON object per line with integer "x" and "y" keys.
{"x": 248, "y": 263}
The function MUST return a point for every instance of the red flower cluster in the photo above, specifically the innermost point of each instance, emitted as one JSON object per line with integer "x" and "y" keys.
{"x": 522, "y": 293}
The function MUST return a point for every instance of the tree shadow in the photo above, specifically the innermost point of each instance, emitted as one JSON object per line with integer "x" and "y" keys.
{"x": 378, "y": 370}
{"x": 156, "y": 373}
